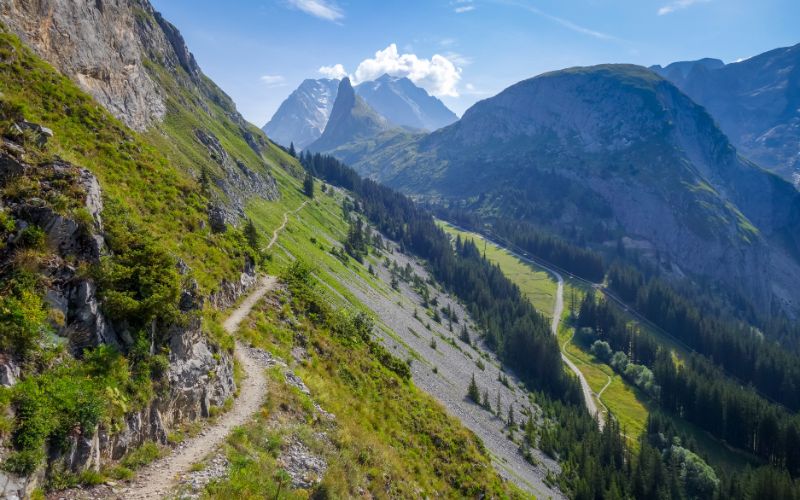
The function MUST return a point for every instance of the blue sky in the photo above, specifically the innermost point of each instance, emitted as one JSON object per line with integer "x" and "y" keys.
{"x": 258, "y": 51}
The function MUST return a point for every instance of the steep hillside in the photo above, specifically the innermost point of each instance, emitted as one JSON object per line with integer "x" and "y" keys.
{"x": 302, "y": 117}
{"x": 404, "y": 104}
{"x": 351, "y": 120}
{"x": 756, "y": 103}
{"x": 607, "y": 152}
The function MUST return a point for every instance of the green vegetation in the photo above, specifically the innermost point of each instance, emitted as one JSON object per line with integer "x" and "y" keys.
{"x": 536, "y": 284}
{"x": 155, "y": 213}
{"x": 370, "y": 445}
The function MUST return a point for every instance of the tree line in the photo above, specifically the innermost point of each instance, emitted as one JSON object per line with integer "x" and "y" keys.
{"x": 514, "y": 329}
{"x": 733, "y": 345}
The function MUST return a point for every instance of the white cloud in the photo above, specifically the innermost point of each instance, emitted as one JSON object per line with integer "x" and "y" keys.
{"x": 273, "y": 80}
{"x": 323, "y": 9}
{"x": 678, "y": 5}
{"x": 461, "y": 6}
{"x": 438, "y": 75}
{"x": 337, "y": 71}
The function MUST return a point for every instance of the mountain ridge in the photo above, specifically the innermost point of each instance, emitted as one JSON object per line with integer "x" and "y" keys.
{"x": 302, "y": 117}
{"x": 560, "y": 149}
{"x": 756, "y": 102}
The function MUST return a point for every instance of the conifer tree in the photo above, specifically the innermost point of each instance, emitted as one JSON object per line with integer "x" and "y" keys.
{"x": 472, "y": 392}
{"x": 308, "y": 185}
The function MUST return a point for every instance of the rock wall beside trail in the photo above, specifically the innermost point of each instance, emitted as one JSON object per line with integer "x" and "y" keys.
{"x": 200, "y": 374}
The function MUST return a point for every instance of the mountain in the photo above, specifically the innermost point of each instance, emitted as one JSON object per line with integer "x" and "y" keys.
{"x": 679, "y": 71}
{"x": 756, "y": 103}
{"x": 301, "y": 118}
{"x": 404, "y": 104}
{"x": 352, "y": 119}
{"x": 605, "y": 154}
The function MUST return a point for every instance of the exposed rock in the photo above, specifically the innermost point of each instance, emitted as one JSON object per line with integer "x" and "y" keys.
{"x": 41, "y": 134}
{"x": 238, "y": 183}
{"x": 216, "y": 219}
{"x": 9, "y": 371}
{"x": 98, "y": 46}
{"x": 230, "y": 291}
{"x": 304, "y": 467}
{"x": 200, "y": 375}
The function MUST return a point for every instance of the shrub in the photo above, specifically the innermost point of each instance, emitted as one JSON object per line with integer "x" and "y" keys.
{"x": 601, "y": 350}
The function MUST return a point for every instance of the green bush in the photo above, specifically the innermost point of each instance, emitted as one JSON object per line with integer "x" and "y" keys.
{"x": 141, "y": 456}
{"x": 32, "y": 237}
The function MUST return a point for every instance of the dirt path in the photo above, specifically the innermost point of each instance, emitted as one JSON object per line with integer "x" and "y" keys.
{"x": 158, "y": 478}
{"x": 588, "y": 395}
{"x": 280, "y": 228}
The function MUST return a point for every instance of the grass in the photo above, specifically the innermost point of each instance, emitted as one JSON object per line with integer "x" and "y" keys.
{"x": 537, "y": 284}
{"x": 389, "y": 438}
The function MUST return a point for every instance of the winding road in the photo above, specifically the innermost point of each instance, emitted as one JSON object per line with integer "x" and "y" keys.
{"x": 588, "y": 395}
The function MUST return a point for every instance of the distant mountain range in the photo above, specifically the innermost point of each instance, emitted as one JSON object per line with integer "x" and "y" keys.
{"x": 302, "y": 117}
{"x": 756, "y": 103}
{"x": 351, "y": 119}
{"x": 606, "y": 154}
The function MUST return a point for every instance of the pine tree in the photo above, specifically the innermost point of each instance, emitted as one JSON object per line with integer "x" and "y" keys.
{"x": 486, "y": 404}
{"x": 308, "y": 185}
{"x": 498, "y": 406}
{"x": 251, "y": 233}
{"x": 472, "y": 392}
{"x": 511, "y": 415}
{"x": 292, "y": 150}
{"x": 465, "y": 336}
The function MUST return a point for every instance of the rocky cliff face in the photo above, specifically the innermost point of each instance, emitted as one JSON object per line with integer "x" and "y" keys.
{"x": 100, "y": 45}
{"x": 756, "y": 103}
{"x": 608, "y": 152}
{"x": 200, "y": 375}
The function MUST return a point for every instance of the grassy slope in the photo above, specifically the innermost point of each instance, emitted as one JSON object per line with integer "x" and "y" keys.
{"x": 390, "y": 438}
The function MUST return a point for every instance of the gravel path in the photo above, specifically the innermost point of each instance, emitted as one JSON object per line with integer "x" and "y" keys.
{"x": 588, "y": 395}
{"x": 455, "y": 363}
{"x": 157, "y": 479}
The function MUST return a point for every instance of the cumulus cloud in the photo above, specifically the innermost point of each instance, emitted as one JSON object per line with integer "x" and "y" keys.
{"x": 337, "y": 71}
{"x": 273, "y": 80}
{"x": 678, "y": 5}
{"x": 438, "y": 75}
{"x": 323, "y": 9}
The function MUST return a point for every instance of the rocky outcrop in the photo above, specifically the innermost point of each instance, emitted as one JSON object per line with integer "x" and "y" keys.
{"x": 238, "y": 183}
{"x": 230, "y": 291}
{"x": 199, "y": 375}
{"x": 95, "y": 43}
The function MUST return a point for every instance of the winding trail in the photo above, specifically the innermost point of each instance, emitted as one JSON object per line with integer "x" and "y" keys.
{"x": 588, "y": 395}
{"x": 157, "y": 479}
{"x": 280, "y": 228}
